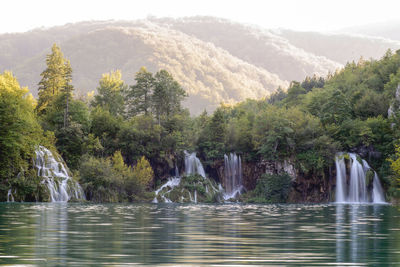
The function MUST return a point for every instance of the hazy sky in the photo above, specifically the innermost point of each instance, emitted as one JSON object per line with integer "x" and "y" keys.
{"x": 316, "y": 15}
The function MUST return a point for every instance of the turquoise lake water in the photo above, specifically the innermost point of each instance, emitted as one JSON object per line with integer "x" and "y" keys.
{"x": 72, "y": 234}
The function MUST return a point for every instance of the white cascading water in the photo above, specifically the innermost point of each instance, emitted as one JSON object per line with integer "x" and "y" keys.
{"x": 233, "y": 176}
{"x": 356, "y": 190}
{"x": 340, "y": 179}
{"x": 377, "y": 191}
{"x": 193, "y": 164}
{"x": 172, "y": 182}
{"x": 10, "y": 197}
{"x": 55, "y": 173}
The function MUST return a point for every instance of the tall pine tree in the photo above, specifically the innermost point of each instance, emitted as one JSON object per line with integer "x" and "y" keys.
{"x": 66, "y": 91}
{"x": 139, "y": 95}
{"x": 167, "y": 96}
{"x": 56, "y": 78}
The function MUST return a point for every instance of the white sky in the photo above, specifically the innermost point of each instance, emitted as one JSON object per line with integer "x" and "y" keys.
{"x": 315, "y": 15}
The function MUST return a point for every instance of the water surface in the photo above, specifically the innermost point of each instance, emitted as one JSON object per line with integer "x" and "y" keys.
{"x": 56, "y": 234}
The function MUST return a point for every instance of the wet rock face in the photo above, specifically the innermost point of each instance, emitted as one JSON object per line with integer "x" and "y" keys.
{"x": 311, "y": 189}
{"x": 367, "y": 152}
{"x": 316, "y": 189}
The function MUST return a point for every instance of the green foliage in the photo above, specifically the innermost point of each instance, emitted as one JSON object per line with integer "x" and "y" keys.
{"x": 212, "y": 139}
{"x": 270, "y": 189}
{"x": 167, "y": 96}
{"x": 70, "y": 137}
{"x": 138, "y": 136}
{"x": 149, "y": 129}
{"x": 143, "y": 172}
{"x": 92, "y": 145}
{"x": 20, "y": 132}
{"x": 313, "y": 82}
{"x": 111, "y": 180}
{"x": 56, "y": 79}
{"x": 100, "y": 181}
{"x": 111, "y": 92}
{"x": 139, "y": 95}
{"x": 395, "y": 177}
{"x": 295, "y": 93}
{"x": 106, "y": 127}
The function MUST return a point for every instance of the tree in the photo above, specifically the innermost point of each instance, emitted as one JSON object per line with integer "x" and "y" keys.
{"x": 20, "y": 132}
{"x": 55, "y": 78}
{"x": 294, "y": 93}
{"x": 66, "y": 91}
{"x": 395, "y": 168}
{"x": 110, "y": 93}
{"x": 167, "y": 96}
{"x": 143, "y": 172}
{"x": 212, "y": 139}
{"x": 139, "y": 95}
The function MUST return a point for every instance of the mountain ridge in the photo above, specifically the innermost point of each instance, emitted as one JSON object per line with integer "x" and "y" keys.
{"x": 215, "y": 60}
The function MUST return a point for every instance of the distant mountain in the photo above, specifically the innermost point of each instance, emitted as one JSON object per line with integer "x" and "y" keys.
{"x": 341, "y": 48}
{"x": 215, "y": 60}
{"x": 388, "y": 30}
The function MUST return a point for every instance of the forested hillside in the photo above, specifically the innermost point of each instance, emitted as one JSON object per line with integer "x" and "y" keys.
{"x": 124, "y": 141}
{"x": 214, "y": 60}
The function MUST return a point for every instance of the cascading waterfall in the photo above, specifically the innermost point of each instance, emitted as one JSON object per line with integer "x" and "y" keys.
{"x": 233, "y": 176}
{"x": 377, "y": 191}
{"x": 193, "y": 164}
{"x": 188, "y": 188}
{"x": 10, "y": 197}
{"x": 340, "y": 179}
{"x": 55, "y": 173}
{"x": 358, "y": 188}
{"x": 171, "y": 183}
{"x": 356, "y": 191}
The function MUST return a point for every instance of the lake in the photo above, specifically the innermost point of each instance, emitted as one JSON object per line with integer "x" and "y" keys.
{"x": 73, "y": 234}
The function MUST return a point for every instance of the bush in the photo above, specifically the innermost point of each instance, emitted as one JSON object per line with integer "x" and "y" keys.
{"x": 111, "y": 180}
{"x": 270, "y": 189}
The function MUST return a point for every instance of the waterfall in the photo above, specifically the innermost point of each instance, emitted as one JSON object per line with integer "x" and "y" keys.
{"x": 193, "y": 165}
{"x": 189, "y": 188}
{"x": 340, "y": 179}
{"x": 377, "y": 191}
{"x": 55, "y": 175}
{"x": 10, "y": 197}
{"x": 358, "y": 188}
{"x": 233, "y": 175}
{"x": 172, "y": 182}
{"x": 355, "y": 190}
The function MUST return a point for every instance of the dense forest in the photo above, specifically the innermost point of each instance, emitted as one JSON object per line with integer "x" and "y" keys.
{"x": 123, "y": 142}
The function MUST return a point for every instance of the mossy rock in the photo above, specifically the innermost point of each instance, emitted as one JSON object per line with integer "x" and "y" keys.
{"x": 205, "y": 189}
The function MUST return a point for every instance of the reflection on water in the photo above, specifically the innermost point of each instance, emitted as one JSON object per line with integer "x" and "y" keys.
{"x": 155, "y": 234}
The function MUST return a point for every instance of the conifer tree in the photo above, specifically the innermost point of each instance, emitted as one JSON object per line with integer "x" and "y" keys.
{"x": 167, "y": 96}
{"x": 55, "y": 78}
{"x": 139, "y": 95}
{"x": 66, "y": 91}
